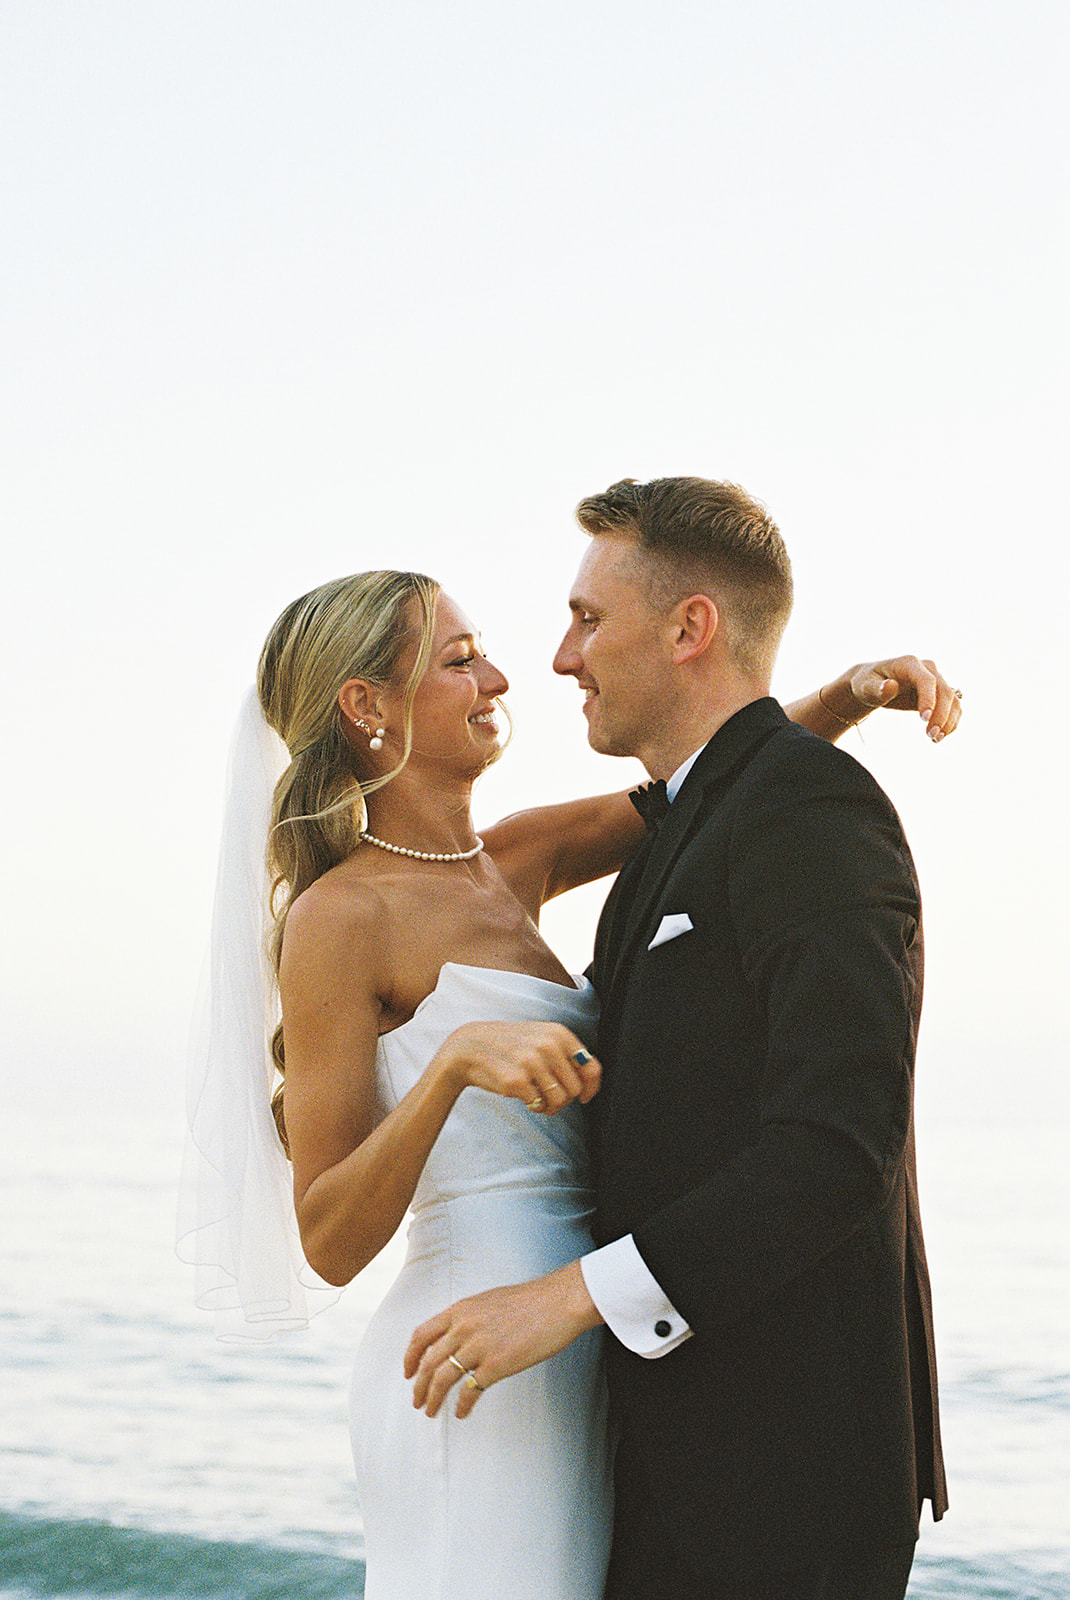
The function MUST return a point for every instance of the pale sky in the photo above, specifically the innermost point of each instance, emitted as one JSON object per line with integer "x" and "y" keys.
{"x": 294, "y": 289}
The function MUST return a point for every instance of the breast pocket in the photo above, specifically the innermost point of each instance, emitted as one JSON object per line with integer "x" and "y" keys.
{"x": 686, "y": 999}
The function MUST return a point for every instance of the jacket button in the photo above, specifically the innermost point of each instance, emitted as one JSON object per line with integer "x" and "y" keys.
{"x": 662, "y": 1328}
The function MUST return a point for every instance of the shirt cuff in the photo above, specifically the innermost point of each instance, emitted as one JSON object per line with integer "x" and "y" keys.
{"x": 631, "y": 1300}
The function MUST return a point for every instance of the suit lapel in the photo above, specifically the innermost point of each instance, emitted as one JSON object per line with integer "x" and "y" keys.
{"x": 631, "y": 919}
{"x": 615, "y": 913}
{"x": 727, "y": 752}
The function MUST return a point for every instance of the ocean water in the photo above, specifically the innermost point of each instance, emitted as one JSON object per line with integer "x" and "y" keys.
{"x": 140, "y": 1458}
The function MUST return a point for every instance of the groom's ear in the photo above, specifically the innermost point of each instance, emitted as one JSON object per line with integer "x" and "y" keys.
{"x": 695, "y": 622}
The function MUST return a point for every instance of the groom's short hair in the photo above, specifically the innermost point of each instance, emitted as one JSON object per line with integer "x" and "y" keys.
{"x": 701, "y": 535}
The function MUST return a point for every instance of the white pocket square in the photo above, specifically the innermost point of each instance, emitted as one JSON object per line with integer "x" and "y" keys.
{"x": 671, "y": 927}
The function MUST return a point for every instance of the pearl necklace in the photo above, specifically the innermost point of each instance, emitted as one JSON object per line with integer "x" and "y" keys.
{"x": 423, "y": 855}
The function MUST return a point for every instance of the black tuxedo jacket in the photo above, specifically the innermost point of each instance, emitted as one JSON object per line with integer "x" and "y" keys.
{"x": 754, "y": 1133}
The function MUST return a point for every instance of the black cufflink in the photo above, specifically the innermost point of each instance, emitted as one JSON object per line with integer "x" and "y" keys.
{"x": 662, "y": 1328}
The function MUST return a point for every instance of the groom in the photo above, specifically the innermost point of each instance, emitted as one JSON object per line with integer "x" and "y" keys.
{"x": 761, "y": 1266}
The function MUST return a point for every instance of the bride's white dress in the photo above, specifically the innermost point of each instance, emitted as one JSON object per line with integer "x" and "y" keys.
{"x": 514, "y": 1502}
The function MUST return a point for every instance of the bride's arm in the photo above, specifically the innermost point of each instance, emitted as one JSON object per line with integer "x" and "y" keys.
{"x": 543, "y": 852}
{"x": 353, "y": 1179}
{"x": 546, "y": 851}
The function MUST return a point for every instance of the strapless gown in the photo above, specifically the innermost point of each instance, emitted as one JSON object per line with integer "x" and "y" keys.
{"x": 513, "y": 1503}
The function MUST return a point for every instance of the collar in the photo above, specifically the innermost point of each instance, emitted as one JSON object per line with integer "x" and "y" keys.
{"x": 673, "y": 786}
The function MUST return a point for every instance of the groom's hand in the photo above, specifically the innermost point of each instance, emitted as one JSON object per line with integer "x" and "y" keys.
{"x": 490, "y": 1336}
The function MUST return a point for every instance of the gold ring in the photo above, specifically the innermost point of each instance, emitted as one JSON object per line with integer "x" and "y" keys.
{"x": 463, "y": 1370}
{"x": 472, "y": 1382}
{"x": 536, "y": 1104}
{"x": 581, "y": 1058}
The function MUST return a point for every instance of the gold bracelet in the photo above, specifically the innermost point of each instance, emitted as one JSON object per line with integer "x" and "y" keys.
{"x": 836, "y": 714}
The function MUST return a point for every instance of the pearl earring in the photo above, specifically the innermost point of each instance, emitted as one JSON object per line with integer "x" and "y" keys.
{"x": 376, "y": 742}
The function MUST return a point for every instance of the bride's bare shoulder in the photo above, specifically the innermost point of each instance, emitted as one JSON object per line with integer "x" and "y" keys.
{"x": 346, "y": 908}
{"x": 362, "y": 934}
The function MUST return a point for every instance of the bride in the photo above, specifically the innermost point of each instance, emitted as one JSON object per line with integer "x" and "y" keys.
{"x": 437, "y": 1058}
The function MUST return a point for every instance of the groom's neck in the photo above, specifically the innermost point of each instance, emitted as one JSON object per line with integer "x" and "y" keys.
{"x": 694, "y": 717}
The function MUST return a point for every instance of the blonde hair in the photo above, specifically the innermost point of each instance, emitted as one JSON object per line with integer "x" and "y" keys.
{"x": 356, "y": 627}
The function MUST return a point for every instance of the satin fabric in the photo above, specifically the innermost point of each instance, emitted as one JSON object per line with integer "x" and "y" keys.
{"x": 515, "y": 1500}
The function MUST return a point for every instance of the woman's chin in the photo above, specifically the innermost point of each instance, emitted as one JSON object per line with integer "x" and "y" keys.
{"x": 490, "y": 756}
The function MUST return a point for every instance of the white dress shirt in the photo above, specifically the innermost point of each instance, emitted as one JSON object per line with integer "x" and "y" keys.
{"x": 631, "y": 1301}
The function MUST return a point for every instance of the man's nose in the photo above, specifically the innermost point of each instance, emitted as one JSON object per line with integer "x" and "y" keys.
{"x": 567, "y": 659}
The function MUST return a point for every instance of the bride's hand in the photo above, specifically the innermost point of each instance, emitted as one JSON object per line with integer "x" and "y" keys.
{"x": 899, "y": 683}
{"x": 541, "y": 1063}
{"x": 491, "y": 1336}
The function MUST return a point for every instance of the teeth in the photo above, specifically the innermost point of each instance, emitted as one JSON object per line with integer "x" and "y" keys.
{"x": 484, "y": 716}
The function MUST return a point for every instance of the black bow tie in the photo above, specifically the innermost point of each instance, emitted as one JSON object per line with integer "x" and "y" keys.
{"x": 652, "y": 803}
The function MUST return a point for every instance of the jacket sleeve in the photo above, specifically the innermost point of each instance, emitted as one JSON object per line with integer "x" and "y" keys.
{"x": 826, "y": 916}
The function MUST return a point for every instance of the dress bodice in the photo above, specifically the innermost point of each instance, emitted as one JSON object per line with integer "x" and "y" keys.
{"x": 489, "y": 1141}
